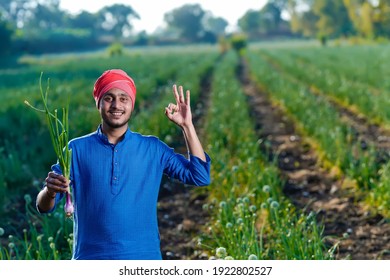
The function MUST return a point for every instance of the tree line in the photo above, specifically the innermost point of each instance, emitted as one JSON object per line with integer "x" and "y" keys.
{"x": 37, "y": 26}
{"x": 323, "y": 19}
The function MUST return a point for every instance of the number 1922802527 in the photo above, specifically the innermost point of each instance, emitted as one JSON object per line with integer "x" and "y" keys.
{"x": 242, "y": 270}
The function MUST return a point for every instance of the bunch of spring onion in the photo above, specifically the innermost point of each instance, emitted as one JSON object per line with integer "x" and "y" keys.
{"x": 59, "y": 133}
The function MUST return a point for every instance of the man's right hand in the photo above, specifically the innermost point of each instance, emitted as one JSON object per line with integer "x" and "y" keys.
{"x": 56, "y": 183}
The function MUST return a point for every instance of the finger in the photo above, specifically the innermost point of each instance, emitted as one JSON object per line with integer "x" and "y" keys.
{"x": 176, "y": 94}
{"x": 172, "y": 107}
{"x": 57, "y": 176}
{"x": 168, "y": 113}
{"x": 57, "y": 182}
{"x": 55, "y": 188}
{"x": 188, "y": 97}
{"x": 181, "y": 94}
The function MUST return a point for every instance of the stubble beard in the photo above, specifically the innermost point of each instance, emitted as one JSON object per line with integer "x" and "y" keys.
{"x": 115, "y": 125}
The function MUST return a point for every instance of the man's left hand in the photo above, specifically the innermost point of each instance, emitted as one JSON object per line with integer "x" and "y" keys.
{"x": 180, "y": 113}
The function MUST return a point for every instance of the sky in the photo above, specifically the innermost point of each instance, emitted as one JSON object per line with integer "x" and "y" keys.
{"x": 152, "y": 12}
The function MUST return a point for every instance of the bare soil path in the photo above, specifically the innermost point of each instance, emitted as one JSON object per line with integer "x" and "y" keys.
{"x": 180, "y": 211}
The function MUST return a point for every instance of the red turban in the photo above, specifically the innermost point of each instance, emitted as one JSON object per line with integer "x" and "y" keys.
{"x": 114, "y": 78}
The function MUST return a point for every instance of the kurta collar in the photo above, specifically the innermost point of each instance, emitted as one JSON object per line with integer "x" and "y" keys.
{"x": 104, "y": 138}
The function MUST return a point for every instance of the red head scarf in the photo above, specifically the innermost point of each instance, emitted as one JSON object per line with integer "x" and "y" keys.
{"x": 114, "y": 78}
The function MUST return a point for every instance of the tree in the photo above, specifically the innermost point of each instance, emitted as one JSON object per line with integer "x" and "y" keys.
{"x": 367, "y": 20}
{"x": 46, "y": 15}
{"x": 215, "y": 25}
{"x": 5, "y": 35}
{"x": 187, "y": 20}
{"x": 321, "y": 18}
{"x": 250, "y": 23}
{"x": 332, "y": 19}
{"x": 282, "y": 5}
{"x": 307, "y": 23}
{"x": 84, "y": 20}
{"x": 266, "y": 22}
{"x": 271, "y": 18}
{"x": 116, "y": 19}
{"x": 382, "y": 18}
{"x": 17, "y": 12}
{"x": 354, "y": 8}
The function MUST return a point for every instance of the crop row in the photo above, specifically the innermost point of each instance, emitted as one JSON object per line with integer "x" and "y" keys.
{"x": 249, "y": 216}
{"x": 288, "y": 84}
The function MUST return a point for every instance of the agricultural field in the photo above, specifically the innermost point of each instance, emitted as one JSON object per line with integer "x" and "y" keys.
{"x": 299, "y": 137}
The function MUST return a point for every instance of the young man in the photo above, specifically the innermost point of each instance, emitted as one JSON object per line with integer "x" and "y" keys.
{"x": 116, "y": 175}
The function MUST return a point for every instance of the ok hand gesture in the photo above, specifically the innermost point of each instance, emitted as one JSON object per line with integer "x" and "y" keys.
{"x": 180, "y": 113}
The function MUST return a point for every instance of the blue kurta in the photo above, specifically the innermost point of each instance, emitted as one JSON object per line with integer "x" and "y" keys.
{"x": 115, "y": 191}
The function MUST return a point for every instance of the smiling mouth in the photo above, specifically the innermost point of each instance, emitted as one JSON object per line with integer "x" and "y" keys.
{"x": 117, "y": 114}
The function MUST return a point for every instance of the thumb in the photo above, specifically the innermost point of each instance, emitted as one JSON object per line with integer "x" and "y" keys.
{"x": 168, "y": 113}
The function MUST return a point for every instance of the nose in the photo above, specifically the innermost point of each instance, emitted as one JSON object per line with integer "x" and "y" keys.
{"x": 114, "y": 103}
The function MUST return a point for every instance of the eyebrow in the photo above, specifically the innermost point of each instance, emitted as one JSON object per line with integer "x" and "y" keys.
{"x": 113, "y": 94}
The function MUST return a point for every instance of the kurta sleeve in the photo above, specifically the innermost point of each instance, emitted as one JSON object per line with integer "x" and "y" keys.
{"x": 192, "y": 171}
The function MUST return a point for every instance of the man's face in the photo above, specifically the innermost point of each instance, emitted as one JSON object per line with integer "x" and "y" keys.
{"x": 115, "y": 108}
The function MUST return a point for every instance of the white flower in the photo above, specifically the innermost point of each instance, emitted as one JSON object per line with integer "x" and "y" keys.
{"x": 266, "y": 188}
{"x": 220, "y": 252}
{"x": 252, "y": 257}
{"x": 222, "y": 204}
{"x": 274, "y": 204}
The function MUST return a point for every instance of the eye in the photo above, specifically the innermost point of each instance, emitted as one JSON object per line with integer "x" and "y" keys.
{"x": 124, "y": 99}
{"x": 107, "y": 98}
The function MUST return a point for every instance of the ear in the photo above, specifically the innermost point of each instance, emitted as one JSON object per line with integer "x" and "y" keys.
{"x": 100, "y": 103}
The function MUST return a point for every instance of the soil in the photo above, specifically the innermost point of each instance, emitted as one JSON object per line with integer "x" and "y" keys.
{"x": 181, "y": 218}
{"x": 180, "y": 212}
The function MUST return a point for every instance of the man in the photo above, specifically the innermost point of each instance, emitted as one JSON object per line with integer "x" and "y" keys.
{"x": 116, "y": 175}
